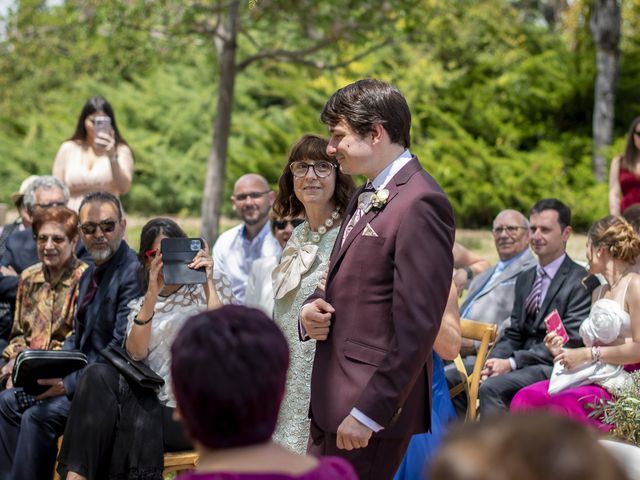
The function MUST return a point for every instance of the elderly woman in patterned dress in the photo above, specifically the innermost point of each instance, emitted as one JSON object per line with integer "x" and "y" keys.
{"x": 48, "y": 291}
{"x": 311, "y": 186}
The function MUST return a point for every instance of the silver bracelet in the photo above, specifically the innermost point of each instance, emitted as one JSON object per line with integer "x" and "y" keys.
{"x": 596, "y": 353}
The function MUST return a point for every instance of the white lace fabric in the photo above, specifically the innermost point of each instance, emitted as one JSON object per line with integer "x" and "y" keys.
{"x": 292, "y": 430}
{"x": 170, "y": 313}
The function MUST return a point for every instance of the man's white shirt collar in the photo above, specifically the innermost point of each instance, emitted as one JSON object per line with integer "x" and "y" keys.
{"x": 385, "y": 176}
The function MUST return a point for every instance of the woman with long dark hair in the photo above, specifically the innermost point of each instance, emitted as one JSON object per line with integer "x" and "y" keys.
{"x": 96, "y": 157}
{"x": 624, "y": 175}
{"x": 116, "y": 429}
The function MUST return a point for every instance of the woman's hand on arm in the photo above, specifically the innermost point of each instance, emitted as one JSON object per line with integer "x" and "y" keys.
{"x": 467, "y": 265}
{"x": 204, "y": 260}
{"x": 615, "y": 193}
{"x": 573, "y": 357}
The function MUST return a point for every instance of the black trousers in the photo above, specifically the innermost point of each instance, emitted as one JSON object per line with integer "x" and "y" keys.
{"x": 117, "y": 429}
{"x": 497, "y": 392}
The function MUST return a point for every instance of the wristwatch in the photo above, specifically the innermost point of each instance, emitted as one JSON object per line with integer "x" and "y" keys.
{"x": 467, "y": 269}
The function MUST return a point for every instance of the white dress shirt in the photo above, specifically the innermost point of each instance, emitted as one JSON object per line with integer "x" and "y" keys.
{"x": 233, "y": 255}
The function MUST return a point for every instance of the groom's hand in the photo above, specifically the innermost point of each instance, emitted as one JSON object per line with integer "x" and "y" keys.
{"x": 316, "y": 318}
{"x": 352, "y": 434}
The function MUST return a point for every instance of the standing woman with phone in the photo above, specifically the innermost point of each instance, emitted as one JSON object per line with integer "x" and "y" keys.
{"x": 96, "y": 157}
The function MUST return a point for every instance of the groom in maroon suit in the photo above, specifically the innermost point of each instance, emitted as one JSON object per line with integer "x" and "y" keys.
{"x": 385, "y": 292}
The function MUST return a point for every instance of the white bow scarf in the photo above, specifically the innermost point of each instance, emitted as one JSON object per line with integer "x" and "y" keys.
{"x": 296, "y": 260}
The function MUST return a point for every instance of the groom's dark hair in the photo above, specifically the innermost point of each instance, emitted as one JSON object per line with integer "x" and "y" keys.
{"x": 367, "y": 102}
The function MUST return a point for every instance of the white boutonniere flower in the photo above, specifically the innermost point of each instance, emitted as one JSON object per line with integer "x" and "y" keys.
{"x": 378, "y": 200}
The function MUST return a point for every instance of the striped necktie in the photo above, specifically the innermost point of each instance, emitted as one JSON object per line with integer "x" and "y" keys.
{"x": 533, "y": 301}
{"x": 363, "y": 200}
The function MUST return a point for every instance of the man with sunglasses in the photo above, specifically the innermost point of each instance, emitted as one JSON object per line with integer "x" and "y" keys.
{"x": 28, "y": 437}
{"x": 236, "y": 249}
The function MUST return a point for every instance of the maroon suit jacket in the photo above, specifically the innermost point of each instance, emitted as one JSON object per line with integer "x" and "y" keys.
{"x": 389, "y": 293}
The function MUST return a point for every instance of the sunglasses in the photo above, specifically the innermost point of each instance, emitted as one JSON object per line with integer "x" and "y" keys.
{"x": 151, "y": 254}
{"x": 57, "y": 239}
{"x": 107, "y": 226}
{"x": 282, "y": 224}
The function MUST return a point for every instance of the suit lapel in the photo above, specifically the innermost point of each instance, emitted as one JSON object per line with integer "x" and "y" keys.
{"x": 528, "y": 277}
{"x": 393, "y": 186}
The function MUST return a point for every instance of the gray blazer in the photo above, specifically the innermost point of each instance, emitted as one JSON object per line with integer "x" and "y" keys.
{"x": 495, "y": 304}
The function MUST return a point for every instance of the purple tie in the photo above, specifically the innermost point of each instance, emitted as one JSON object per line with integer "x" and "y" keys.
{"x": 532, "y": 303}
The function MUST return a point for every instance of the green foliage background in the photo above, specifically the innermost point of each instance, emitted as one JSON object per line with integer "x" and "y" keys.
{"x": 501, "y": 101}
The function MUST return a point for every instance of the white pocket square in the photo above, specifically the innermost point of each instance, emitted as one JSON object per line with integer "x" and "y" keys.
{"x": 369, "y": 231}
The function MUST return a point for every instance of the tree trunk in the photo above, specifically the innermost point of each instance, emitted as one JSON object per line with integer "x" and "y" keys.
{"x": 225, "y": 42}
{"x": 605, "y": 29}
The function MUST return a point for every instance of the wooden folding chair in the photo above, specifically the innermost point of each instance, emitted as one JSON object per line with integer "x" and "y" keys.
{"x": 485, "y": 333}
{"x": 173, "y": 462}
{"x": 179, "y": 461}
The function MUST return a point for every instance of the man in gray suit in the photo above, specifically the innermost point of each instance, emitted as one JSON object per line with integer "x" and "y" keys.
{"x": 491, "y": 293}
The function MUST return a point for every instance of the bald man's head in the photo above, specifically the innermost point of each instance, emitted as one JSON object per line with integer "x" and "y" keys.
{"x": 252, "y": 199}
{"x": 510, "y": 233}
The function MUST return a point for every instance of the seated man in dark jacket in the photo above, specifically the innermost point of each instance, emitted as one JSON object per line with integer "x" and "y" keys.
{"x": 520, "y": 357}
{"x": 28, "y": 435}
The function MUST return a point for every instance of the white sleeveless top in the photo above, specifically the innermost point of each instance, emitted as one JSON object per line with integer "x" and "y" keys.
{"x": 607, "y": 322}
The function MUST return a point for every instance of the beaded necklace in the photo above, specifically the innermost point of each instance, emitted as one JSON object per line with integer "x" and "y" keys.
{"x": 306, "y": 231}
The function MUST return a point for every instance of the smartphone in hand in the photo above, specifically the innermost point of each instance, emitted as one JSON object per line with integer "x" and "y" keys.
{"x": 177, "y": 254}
{"x": 101, "y": 124}
{"x": 554, "y": 324}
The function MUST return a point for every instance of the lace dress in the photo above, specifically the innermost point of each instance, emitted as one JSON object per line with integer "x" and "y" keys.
{"x": 171, "y": 312}
{"x": 300, "y": 270}
{"x": 606, "y": 323}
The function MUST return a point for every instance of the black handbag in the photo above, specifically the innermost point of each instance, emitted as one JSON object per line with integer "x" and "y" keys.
{"x": 131, "y": 369}
{"x": 32, "y": 365}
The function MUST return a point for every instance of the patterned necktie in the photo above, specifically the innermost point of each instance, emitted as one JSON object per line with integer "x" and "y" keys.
{"x": 532, "y": 303}
{"x": 363, "y": 201}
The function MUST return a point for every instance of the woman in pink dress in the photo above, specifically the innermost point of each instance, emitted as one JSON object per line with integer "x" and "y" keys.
{"x": 611, "y": 332}
{"x": 96, "y": 157}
